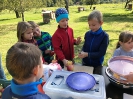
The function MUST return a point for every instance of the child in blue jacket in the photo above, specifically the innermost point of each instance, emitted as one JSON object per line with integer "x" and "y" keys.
{"x": 24, "y": 63}
{"x": 96, "y": 42}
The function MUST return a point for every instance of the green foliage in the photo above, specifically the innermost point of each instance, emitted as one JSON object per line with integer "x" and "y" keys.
{"x": 1, "y": 5}
{"x": 50, "y": 3}
{"x": 23, "y": 5}
{"x": 20, "y": 6}
{"x": 89, "y": 2}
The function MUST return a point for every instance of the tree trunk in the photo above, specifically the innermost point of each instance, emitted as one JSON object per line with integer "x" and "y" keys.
{"x": 90, "y": 6}
{"x": 128, "y": 1}
{"x": 67, "y": 5}
{"x": 22, "y": 16}
{"x": 17, "y": 14}
{"x": 91, "y": 3}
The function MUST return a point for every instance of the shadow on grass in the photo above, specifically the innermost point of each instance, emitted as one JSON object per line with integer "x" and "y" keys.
{"x": 6, "y": 29}
{"x": 113, "y": 31}
{"x": 42, "y": 23}
{"x": 7, "y": 19}
{"x": 109, "y": 17}
{"x": 81, "y": 19}
{"x": 118, "y": 17}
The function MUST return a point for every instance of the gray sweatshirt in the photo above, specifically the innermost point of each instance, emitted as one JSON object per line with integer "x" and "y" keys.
{"x": 119, "y": 51}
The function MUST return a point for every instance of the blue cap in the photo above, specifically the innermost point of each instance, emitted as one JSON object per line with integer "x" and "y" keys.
{"x": 60, "y": 14}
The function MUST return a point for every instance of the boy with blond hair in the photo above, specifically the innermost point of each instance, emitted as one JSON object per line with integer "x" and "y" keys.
{"x": 44, "y": 42}
{"x": 96, "y": 41}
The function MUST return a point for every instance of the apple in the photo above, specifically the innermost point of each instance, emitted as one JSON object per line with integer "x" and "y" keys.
{"x": 70, "y": 67}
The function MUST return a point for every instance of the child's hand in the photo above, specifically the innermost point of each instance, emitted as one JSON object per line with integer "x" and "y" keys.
{"x": 51, "y": 53}
{"x": 65, "y": 62}
{"x": 83, "y": 54}
{"x": 129, "y": 77}
{"x": 78, "y": 41}
{"x": 47, "y": 51}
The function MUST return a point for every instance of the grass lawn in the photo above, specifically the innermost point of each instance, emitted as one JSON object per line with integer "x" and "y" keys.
{"x": 116, "y": 19}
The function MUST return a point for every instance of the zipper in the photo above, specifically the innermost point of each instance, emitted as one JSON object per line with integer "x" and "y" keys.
{"x": 69, "y": 45}
{"x": 91, "y": 47}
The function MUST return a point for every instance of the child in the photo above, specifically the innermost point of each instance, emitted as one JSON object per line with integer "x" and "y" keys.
{"x": 125, "y": 44}
{"x": 25, "y": 33}
{"x": 63, "y": 40}
{"x": 96, "y": 42}
{"x": 24, "y": 63}
{"x": 43, "y": 41}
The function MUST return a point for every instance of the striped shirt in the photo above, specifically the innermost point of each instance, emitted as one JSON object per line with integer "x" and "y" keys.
{"x": 44, "y": 43}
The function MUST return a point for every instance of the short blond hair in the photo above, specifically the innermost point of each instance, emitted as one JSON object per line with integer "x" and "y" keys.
{"x": 95, "y": 14}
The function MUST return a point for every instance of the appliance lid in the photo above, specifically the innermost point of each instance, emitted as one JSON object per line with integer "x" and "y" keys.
{"x": 122, "y": 65}
{"x": 109, "y": 73}
{"x": 80, "y": 81}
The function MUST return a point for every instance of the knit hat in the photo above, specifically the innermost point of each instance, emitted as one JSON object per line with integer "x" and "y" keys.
{"x": 60, "y": 14}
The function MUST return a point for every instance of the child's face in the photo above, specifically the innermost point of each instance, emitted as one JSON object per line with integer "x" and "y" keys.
{"x": 128, "y": 46}
{"x": 28, "y": 34}
{"x": 94, "y": 25}
{"x": 37, "y": 32}
{"x": 63, "y": 23}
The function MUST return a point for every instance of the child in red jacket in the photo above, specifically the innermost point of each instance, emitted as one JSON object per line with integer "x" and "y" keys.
{"x": 63, "y": 39}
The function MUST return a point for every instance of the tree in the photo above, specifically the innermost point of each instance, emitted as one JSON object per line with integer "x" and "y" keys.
{"x": 13, "y": 5}
{"x": 50, "y": 3}
{"x": 91, "y": 2}
{"x": 67, "y": 5}
{"x": 70, "y": 2}
{"x": 1, "y": 5}
{"x": 59, "y": 3}
{"x": 20, "y": 6}
{"x": 127, "y": 1}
